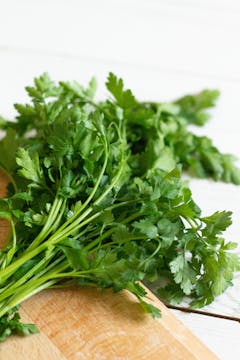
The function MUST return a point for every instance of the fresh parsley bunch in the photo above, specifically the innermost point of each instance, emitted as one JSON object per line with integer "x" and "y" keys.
{"x": 96, "y": 198}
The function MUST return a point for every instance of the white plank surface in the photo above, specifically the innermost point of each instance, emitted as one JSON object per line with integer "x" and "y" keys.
{"x": 222, "y": 336}
{"x": 167, "y": 35}
{"x": 162, "y": 49}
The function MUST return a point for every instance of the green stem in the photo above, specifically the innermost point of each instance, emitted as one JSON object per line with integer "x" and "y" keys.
{"x": 57, "y": 237}
{"x": 14, "y": 236}
{"x": 62, "y": 232}
{"x": 155, "y": 251}
{"x": 47, "y": 226}
{"x": 59, "y": 218}
{"x": 27, "y": 294}
{"x": 109, "y": 232}
{"x": 51, "y": 266}
{"x": 122, "y": 242}
{"x": 123, "y": 203}
{"x": 32, "y": 287}
{"x": 113, "y": 183}
{"x": 9, "y": 291}
{"x": 72, "y": 229}
{"x": 78, "y": 212}
{"x": 65, "y": 230}
{"x": 10, "y": 269}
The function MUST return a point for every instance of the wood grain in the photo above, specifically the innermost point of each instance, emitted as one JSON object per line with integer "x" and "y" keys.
{"x": 87, "y": 323}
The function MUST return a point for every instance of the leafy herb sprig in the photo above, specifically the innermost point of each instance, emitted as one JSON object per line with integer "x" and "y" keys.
{"x": 96, "y": 198}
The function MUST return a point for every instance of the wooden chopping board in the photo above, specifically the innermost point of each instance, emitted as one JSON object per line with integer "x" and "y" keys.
{"x": 90, "y": 324}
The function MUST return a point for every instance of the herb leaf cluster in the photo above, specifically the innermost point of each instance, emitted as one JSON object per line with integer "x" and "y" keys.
{"x": 96, "y": 197}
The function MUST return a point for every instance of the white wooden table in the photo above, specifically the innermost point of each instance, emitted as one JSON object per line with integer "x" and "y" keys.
{"x": 162, "y": 49}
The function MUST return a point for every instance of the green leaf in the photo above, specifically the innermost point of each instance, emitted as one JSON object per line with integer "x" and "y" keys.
{"x": 121, "y": 233}
{"x": 220, "y": 284}
{"x": 77, "y": 257}
{"x": 150, "y": 309}
{"x": 44, "y": 87}
{"x": 146, "y": 227}
{"x": 230, "y": 245}
{"x": 177, "y": 264}
{"x": 30, "y": 166}
{"x": 183, "y": 273}
{"x": 217, "y": 223}
{"x": 10, "y": 324}
{"x": 3, "y": 122}
{"x": 193, "y": 106}
{"x": 124, "y": 98}
{"x": 92, "y": 88}
{"x": 74, "y": 87}
{"x": 22, "y": 196}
